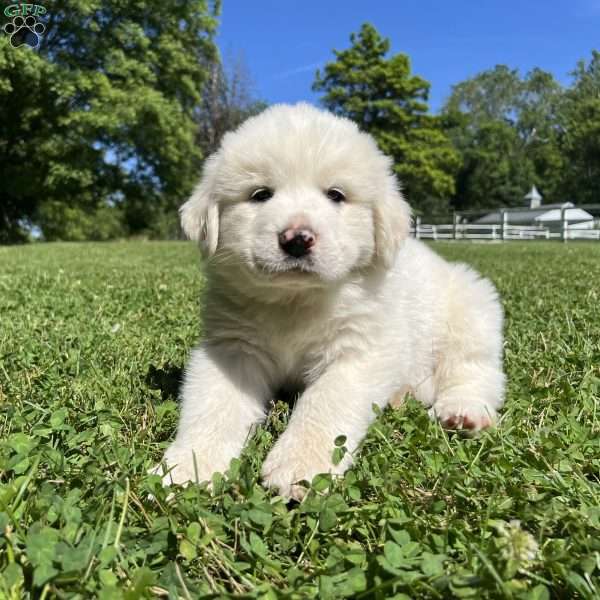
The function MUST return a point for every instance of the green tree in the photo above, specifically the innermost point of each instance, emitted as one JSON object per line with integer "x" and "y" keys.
{"x": 489, "y": 96}
{"x": 227, "y": 101}
{"x": 541, "y": 118}
{"x": 28, "y": 112}
{"x": 386, "y": 100}
{"x": 581, "y": 145}
{"x": 493, "y": 171}
{"x": 100, "y": 116}
{"x": 508, "y": 131}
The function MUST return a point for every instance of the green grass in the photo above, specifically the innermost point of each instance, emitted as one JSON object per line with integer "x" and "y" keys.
{"x": 92, "y": 340}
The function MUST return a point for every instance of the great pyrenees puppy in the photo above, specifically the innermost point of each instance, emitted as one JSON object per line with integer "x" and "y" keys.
{"x": 313, "y": 283}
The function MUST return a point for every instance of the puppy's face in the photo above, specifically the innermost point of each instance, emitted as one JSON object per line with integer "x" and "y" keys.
{"x": 296, "y": 194}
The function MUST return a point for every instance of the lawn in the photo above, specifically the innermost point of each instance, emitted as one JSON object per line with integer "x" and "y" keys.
{"x": 92, "y": 341}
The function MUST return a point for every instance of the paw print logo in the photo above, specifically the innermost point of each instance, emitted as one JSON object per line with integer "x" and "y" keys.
{"x": 24, "y": 31}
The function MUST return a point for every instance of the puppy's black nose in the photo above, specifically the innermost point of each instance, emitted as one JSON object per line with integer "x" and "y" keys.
{"x": 297, "y": 242}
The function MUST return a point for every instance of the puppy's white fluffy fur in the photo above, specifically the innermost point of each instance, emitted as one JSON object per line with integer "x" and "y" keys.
{"x": 367, "y": 315}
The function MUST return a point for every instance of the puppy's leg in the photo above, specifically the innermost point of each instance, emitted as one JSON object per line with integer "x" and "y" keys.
{"x": 469, "y": 380}
{"x": 338, "y": 403}
{"x": 223, "y": 397}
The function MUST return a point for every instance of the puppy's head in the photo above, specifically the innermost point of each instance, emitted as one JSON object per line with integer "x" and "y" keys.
{"x": 298, "y": 193}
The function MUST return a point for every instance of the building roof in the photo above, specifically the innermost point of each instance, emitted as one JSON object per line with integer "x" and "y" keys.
{"x": 546, "y": 213}
{"x": 571, "y": 215}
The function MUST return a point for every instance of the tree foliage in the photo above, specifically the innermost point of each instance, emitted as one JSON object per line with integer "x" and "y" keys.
{"x": 100, "y": 116}
{"x": 26, "y": 136}
{"x": 227, "y": 101}
{"x": 493, "y": 172}
{"x": 581, "y": 145}
{"x": 386, "y": 100}
{"x": 508, "y": 131}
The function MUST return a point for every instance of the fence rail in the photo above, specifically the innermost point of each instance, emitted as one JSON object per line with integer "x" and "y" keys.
{"x": 464, "y": 226}
{"x": 506, "y": 232}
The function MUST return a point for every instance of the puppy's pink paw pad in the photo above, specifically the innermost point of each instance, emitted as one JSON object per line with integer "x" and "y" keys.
{"x": 469, "y": 418}
{"x": 466, "y": 422}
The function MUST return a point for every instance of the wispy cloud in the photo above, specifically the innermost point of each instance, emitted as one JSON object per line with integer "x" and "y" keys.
{"x": 301, "y": 69}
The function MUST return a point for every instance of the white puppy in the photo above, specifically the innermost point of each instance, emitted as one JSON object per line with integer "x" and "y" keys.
{"x": 311, "y": 281}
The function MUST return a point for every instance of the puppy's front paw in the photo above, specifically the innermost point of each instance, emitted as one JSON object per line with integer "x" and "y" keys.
{"x": 469, "y": 415}
{"x": 285, "y": 477}
{"x": 289, "y": 463}
{"x": 182, "y": 465}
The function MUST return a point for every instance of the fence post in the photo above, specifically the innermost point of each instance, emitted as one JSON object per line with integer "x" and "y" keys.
{"x": 493, "y": 232}
{"x": 504, "y": 218}
{"x": 417, "y": 227}
{"x": 455, "y": 226}
{"x": 434, "y": 230}
{"x": 563, "y": 224}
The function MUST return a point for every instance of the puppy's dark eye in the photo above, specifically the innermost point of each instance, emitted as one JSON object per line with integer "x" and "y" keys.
{"x": 261, "y": 194}
{"x": 335, "y": 194}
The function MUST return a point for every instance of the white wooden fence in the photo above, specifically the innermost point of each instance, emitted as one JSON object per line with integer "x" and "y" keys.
{"x": 501, "y": 232}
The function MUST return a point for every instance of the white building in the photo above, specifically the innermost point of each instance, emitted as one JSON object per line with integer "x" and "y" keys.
{"x": 543, "y": 215}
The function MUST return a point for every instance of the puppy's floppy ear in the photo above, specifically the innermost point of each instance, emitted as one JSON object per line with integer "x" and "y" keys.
{"x": 392, "y": 222}
{"x": 200, "y": 214}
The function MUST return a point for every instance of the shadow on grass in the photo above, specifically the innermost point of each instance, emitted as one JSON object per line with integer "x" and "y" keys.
{"x": 167, "y": 379}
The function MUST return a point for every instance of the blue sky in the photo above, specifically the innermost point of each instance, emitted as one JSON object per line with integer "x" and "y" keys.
{"x": 283, "y": 42}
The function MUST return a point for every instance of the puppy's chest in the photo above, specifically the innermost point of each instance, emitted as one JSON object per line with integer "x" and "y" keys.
{"x": 302, "y": 346}
{"x": 294, "y": 344}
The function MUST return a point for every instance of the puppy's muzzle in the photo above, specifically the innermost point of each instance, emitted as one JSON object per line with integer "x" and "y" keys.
{"x": 297, "y": 242}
